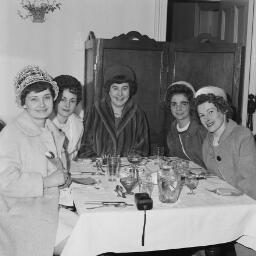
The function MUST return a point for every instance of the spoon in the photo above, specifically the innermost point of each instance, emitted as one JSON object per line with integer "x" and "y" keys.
{"x": 120, "y": 192}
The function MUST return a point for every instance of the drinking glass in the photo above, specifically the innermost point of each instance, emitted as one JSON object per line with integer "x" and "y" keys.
{"x": 191, "y": 181}
{"x": 134, "y": 159}
{"x": 113, "y": 165}
{"x": 146, "y": 184}
{"x": 158, "y": 153}
{"x": 129, "y": 180}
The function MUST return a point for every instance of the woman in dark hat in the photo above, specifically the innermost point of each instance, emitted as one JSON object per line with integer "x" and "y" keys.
{"x": 117, "y": 125}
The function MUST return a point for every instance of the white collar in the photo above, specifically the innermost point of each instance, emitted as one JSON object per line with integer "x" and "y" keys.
{"x": 183, "y": 128}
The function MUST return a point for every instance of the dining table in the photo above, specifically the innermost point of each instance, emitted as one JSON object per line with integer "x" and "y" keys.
{"x": 110, "y": 222}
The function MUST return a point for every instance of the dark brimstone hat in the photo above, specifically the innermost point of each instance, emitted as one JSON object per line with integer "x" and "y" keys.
{"x": 116, "y": 71}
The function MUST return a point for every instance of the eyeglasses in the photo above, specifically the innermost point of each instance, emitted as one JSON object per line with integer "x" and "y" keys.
{"x": 182, "y": 104}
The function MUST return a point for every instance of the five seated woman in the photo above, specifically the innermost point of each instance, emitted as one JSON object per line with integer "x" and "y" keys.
{"x": 29, "y": 182}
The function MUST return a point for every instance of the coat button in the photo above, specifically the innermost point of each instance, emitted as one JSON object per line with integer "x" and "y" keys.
{"x": 218, "y": 158}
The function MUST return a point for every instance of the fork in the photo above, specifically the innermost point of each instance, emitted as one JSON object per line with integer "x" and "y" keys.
{"x": 99, "y": 168}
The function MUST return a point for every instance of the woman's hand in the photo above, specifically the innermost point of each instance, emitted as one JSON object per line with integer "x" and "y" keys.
{"x": 68, "y": 181}
{"x": 60, "y": 178}
{"x": 56, "y": 179}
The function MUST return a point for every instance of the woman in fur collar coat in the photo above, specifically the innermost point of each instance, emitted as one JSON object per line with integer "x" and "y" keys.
{"x": 29, "y": 182}
{"x": 116, "y": 124}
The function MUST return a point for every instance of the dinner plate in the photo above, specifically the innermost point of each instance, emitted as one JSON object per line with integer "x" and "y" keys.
{"x": 226, "y": 191}
{"x": 84, "y": 181}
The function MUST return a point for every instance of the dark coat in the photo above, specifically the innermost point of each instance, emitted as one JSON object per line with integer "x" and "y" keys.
{"x": 192, "y": 140}
{"x": 103, "y": 136}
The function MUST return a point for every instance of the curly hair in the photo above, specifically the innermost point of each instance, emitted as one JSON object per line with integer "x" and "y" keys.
{"x": 179, "y": 89}
{"x": 119, "y": 79}
{"x": 219, "y": 102}
{"x": 66, "y": 82}
{"x": 35, "y": 87}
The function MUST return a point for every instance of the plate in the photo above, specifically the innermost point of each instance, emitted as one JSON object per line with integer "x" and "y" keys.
{"x": 200, "y": 172}
{"x": 84, "y": 181}
{"x": 226, "y": 191}
{"x": 197, "y": 171}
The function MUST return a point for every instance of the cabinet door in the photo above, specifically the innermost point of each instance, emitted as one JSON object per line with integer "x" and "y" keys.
{"x": 206, "y": 61}
{"x": 148, "y": 59}
{"x": 233, "y": 20}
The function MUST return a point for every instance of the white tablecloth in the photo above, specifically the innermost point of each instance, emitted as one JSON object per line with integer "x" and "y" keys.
{"x": 194, "y": 220}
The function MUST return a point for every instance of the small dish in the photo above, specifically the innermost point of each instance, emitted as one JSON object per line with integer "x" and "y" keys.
{"x": 226, "y": 191}
{"x": 84, "y": 181}
{"x": 199, "y": 172}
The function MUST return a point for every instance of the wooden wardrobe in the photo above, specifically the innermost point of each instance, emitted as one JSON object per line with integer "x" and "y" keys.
{"x": 200, "y": 61}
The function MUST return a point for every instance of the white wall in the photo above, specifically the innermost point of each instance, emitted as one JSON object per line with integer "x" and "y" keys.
{"x": 58, "y": 44}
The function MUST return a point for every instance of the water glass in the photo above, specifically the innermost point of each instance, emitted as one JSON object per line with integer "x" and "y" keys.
{"x": 146, "y": 184}
{"x": 158, "y": 151}
{"x": 113, "y": 167}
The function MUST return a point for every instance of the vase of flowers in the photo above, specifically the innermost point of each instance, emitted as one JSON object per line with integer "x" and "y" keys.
{"x": 36, "y": 9}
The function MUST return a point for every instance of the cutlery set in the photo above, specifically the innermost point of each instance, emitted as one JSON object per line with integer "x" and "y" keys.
{"x": 99, "y": 204}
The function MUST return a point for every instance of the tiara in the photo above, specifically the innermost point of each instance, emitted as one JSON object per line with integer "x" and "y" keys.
{"x": 29, "y": 75}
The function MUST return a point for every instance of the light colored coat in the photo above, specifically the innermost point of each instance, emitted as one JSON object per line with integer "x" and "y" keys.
{"x": 234, "y": 159}
{"x": 28, "y": 212}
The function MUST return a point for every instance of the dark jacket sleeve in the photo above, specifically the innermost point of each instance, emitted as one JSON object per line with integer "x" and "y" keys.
{"x": 86, "y": 148}
{"x": 142, "y": 141}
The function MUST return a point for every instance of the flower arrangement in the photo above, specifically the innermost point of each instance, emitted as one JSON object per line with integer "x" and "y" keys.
{"x": 38, "y": 8}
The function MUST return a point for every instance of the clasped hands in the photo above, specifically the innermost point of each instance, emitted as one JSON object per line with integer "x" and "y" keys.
{"x": 60, "y": 178}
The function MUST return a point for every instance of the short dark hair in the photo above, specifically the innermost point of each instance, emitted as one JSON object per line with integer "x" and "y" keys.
{"x": 121, "y": 80}
{"x": 36, "y": 87}
{"x": 118, "y": 74}
{"x": 70, "y": 83}
{"x": 219, "y": 102}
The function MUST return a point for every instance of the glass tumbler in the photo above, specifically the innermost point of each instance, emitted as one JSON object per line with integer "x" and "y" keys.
{"x": 113, "y": 165}
{"x": 146, "y": 184}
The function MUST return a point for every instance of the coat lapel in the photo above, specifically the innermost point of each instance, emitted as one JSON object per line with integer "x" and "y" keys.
{"x": 107, "y": 116}
{"x": 128, "y": 113}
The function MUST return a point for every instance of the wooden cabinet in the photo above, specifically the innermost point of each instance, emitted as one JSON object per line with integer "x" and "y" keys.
{"x": 200, "y": 61}
{"x": 204, "y": 60}
{"x": 148, "y": 59}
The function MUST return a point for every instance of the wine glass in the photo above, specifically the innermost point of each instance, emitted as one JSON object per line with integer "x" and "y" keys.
{"x": 134, "y": 159}
{"x": 129, "y": 180}
{"x": 191, "y": 181}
